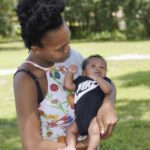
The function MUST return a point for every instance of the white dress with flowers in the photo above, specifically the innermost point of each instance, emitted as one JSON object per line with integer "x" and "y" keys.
{"x": 57, "y": 108}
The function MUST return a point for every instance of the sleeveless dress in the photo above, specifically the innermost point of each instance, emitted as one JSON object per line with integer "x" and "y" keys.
{"x": 57, "y": 108}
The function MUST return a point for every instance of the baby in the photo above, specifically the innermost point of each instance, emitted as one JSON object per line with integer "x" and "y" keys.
{"x": 89, "y": 89}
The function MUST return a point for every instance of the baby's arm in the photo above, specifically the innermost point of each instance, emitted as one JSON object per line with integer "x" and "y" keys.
{"x": 68, "y": 81}
{"x": 104, "y": 85}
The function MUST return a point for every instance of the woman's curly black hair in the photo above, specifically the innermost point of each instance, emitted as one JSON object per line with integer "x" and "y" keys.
{"x": 37, "y": 17}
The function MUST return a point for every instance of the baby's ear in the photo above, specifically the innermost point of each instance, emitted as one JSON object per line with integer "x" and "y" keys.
{"x": 83, "y": 73}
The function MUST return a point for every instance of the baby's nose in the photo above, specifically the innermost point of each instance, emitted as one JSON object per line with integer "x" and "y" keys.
{"x": 97, "y": 68}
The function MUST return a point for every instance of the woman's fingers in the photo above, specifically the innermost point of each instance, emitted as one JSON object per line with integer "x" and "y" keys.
{"x": 108, "y": 129}
{"x": 101, "y": 125}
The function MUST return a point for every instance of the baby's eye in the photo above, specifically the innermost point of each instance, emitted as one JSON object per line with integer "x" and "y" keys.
{"x": 101, "y": 67}
{"x": 93, "y": 66}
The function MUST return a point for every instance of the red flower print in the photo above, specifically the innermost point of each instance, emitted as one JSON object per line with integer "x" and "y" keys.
{"x": 54, "y": 87}
{"x": 52, "y": 124}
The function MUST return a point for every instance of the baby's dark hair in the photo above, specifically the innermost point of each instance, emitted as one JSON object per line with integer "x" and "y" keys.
{"x": 85, "y": 62}
{"x": 37, "y": 17}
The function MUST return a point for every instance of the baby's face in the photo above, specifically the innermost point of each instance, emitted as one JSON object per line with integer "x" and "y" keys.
{"x": 95, "y": 66}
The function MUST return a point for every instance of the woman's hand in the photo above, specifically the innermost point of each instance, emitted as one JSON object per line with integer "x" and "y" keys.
{"x": 107, "y": 119}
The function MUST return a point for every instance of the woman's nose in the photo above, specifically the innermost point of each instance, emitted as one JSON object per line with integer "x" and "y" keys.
{"x": 67, "y": 48}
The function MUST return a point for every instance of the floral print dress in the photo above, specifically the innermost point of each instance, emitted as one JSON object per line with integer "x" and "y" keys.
{"x": 57, "y": 109}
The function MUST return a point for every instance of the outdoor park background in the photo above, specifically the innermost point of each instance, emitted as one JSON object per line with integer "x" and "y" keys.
{"x": 109, "y": 28}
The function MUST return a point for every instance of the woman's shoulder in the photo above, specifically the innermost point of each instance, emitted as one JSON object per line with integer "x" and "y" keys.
{"x": 26, "y": 71}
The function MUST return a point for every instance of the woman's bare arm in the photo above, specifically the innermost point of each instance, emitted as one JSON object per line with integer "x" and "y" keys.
{"x": 27, "y": 113}
{"x": 106, "y": 115}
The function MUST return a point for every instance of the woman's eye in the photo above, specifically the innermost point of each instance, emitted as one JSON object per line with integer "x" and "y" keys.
{"x": 61, "y": 49}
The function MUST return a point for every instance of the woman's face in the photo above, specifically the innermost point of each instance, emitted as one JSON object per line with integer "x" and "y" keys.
{"x": 95, "y": 66}
{"x": 55, "y": 46}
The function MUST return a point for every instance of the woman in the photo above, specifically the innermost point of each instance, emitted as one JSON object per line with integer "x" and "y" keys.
{"x": 44, "y": 108}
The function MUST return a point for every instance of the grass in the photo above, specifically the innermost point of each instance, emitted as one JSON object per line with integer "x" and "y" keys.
{"x": 132, "y": 79}
{"x": 9, "y": 136}
{"x": 13, "y": 53}
{"x": 112, "y": 48}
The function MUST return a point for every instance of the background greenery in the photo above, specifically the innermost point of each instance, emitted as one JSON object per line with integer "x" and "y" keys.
{"x": 132, "y": 79}
{"x": 92, "y": 19}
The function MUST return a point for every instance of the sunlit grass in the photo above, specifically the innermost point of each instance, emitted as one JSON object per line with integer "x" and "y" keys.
{"x": 13, "y": 53}
{"x": 7, "y": 106}
{"x": 9, "y": 135}
{"x": 112, "y": 48}
{"x": 129, "y": 135}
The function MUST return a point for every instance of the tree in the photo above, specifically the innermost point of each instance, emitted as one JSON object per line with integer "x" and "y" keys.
{"x": 145, "y": 11}
{"x": 92, "y": 15}
{"x": 105, "y": 10}
{"x": 6, "y": 14}
{"x": 78, "y": 15}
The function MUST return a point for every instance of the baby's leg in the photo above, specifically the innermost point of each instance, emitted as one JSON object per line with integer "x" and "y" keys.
{"x": 94, "y": 135}
{"x": 71, "y": 135}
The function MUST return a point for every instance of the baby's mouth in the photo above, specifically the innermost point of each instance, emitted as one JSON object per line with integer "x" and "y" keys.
{"x": 98, "y": 73}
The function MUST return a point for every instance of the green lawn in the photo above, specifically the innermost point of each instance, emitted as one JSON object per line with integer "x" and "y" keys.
{"x": 132, "y": 79}
{"x": 12, "y": 53}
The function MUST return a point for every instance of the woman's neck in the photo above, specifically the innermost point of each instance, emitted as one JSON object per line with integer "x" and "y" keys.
{"x": 39, "y": 61}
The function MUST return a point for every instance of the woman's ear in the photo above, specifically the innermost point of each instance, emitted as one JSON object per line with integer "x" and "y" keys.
{"x": 35, "y": 50}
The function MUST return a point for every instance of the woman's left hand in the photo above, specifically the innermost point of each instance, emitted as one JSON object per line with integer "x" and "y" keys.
{"x": 106, "y": 118}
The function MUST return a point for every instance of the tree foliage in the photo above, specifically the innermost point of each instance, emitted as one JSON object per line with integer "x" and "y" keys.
{"x": 88, "y": 16}
{"x": 6, "y": 14}
{"x": 135, "y": 17}
{"x": 94, "y": 17}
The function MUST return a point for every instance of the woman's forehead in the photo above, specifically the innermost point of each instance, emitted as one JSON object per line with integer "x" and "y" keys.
{"x": 58, "y": 37}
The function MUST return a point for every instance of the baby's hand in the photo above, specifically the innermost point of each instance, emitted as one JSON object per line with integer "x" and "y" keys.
{"x": 67, "y": 148}
{"x": 93, "y": 76}
{"x": 73, "y": 69}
